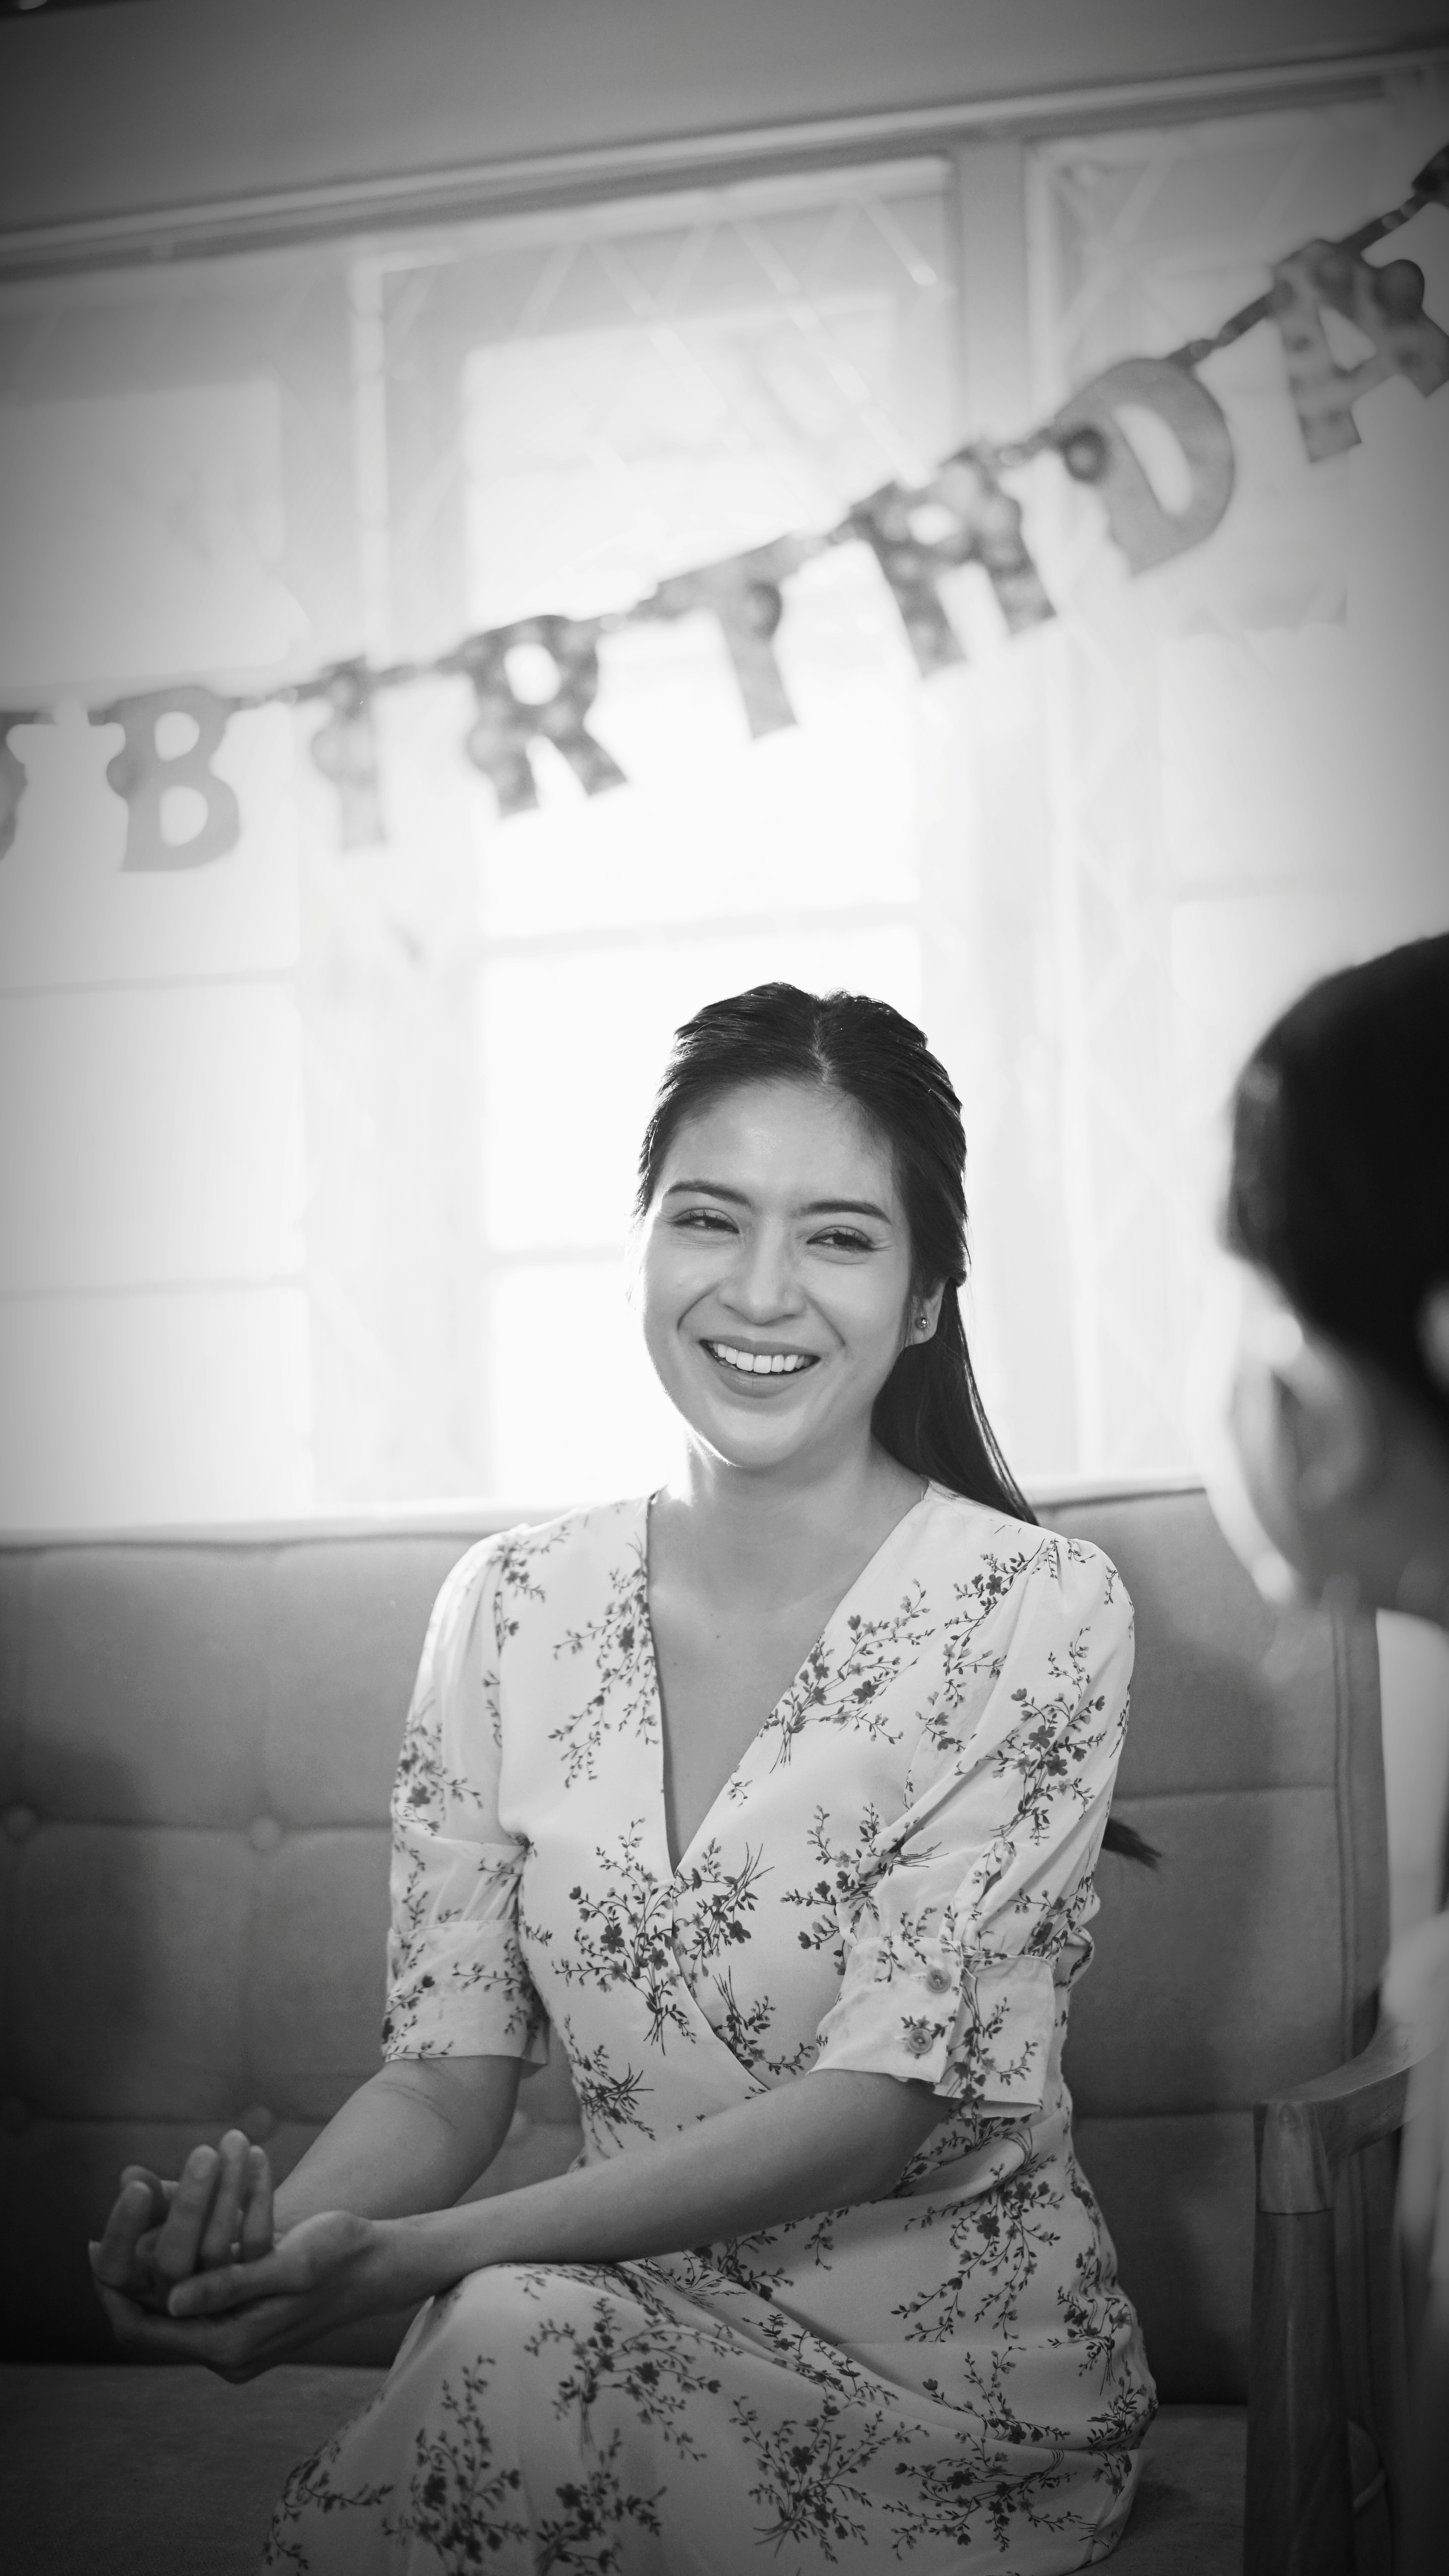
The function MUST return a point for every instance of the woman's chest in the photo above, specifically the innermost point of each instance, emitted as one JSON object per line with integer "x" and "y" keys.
{"x": 759, "y": 1903}
{"x": 621, "y": 1719}
{"x": 777, "y": 1823}
{"x": 720, "y": 1680}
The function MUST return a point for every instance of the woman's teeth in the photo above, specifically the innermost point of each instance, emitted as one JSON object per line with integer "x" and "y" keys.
{"x": 761, "y": 1363}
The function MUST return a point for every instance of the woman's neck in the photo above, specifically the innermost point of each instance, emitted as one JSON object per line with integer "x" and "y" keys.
{"x": 778, "y": 1536}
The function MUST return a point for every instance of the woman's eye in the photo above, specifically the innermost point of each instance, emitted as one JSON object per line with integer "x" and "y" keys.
{"x": 703, "y": 1221}
{"x": 844, "y": 1238}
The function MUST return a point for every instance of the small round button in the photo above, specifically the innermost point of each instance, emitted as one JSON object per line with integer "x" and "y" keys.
{"x": 937, "y": 1982}
{"x": 264, "y": 1833}
{"x": 257, "y": 2121}
{"x": 20, "y": 1823}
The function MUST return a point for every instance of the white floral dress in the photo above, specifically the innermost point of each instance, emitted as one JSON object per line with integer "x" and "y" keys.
{"x": 897, "y": 1877}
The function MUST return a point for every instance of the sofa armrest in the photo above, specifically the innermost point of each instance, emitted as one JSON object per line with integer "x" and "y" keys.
{"x": 1305, "y": 2137}
{"x": 1300, "y": 2503}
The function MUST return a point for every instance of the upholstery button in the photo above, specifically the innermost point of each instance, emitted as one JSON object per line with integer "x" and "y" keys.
{"x": 938, "y": 1983}
{"x": 14, "y": 2117}
{"x": 257, "y": 2121}
{"x": 264, "y": 1833}
{"x": 20, "y": 1823}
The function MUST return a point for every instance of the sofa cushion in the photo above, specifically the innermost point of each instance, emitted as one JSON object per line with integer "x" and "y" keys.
{"x": 155, "y": 2472}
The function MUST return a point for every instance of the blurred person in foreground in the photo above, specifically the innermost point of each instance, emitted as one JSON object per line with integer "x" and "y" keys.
{"x": 1330, "y": 1467}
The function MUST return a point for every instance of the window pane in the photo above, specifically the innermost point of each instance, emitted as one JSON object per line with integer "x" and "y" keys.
{"x": 575, "y": 1407}
{"x": 150, "y": 1137}
{"x": 155, "y": 1408}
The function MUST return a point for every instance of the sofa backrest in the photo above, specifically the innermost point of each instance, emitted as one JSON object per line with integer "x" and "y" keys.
{"x": 197, "y": 1736}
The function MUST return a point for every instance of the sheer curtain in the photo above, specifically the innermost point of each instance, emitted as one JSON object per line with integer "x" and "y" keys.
{"x": 1247, "y": 776}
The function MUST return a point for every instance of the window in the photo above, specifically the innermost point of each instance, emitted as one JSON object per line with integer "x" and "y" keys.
{"x": 318, "y": 1159}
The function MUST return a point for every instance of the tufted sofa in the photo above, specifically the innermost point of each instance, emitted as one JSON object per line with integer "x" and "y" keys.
{"x": 197, "y": 1735}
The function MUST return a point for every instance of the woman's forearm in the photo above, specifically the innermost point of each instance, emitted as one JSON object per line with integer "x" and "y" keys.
{"x": 412, "y": 2138}
{"x": 820, "y": 2142}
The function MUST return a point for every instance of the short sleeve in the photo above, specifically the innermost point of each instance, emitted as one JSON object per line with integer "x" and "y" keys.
{"x": 458, "y": 1985}
{"x": 954, "y": 1948}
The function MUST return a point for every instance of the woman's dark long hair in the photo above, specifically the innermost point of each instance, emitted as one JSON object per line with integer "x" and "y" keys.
{"x": 928, "y": 1415}
{"x": 1339, "y": 1184}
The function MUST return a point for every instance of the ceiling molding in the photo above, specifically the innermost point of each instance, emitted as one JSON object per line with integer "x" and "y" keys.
{"x": 536, "y": 181}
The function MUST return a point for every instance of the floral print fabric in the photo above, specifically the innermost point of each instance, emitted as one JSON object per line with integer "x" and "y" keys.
{"x": 897, "y": 1878}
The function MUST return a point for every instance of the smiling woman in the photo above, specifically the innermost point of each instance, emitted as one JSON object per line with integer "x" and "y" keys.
{"x": 778, "y": 1794}
{"x": 870, "y": 1106}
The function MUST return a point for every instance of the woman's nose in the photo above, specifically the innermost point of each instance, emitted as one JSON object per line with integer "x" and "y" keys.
{"x": 762, "y": 1281}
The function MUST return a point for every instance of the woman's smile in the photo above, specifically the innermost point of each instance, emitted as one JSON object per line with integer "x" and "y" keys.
{"x": 763, "y": 1365}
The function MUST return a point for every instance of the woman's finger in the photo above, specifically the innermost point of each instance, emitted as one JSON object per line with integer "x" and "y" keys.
{"x": 235, "y": 2285}
{"x": 179, "y": 2241}
{"x": 114, "y": 2260}
{"x": 160, "y": 2192}
{"x": 219, "y": 2234}
{"x": 257, "y": 2227}
{"x": 148, "y": 2331}
{"x": 238, "y": 2347}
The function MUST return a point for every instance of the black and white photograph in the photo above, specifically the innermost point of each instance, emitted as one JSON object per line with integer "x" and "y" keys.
{"x": 724, "y": 1287}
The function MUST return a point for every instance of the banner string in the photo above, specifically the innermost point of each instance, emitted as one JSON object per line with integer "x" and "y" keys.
{"x": 961, "y": 514}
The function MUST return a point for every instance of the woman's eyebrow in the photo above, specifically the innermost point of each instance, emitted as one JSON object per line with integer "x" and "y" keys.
{"x": 845, "y": 1207}
{"x": 812, "y": 1207}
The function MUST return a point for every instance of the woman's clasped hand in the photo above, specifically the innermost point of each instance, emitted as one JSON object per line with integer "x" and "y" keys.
{"x": 194, "y": 2270}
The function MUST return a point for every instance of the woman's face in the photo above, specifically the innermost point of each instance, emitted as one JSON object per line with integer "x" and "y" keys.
{"x": 776, "y": 1273}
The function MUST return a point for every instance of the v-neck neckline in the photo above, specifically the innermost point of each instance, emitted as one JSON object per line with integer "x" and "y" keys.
{"x": 646, "y": 1627}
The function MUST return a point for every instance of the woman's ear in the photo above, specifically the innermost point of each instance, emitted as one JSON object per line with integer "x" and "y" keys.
{"x": 1331, "y": 1420}
{"x": 1434, "y": 1334}
{"x": 924, "y": 1313}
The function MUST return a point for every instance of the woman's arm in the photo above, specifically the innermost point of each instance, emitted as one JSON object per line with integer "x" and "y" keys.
{"x": 412, "y": 2137}
{"x": 813, "y": 2145}
{"x": 431, "y": 2121}
{"x": 822, "y": 2141}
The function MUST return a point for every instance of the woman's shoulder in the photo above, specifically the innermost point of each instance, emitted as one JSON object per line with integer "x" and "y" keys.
{"x": 527, "y": 1560}
{"x": 990, "y": 1555}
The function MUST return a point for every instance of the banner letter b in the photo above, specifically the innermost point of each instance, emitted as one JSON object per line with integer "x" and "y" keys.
{"x": 142, "y": 773}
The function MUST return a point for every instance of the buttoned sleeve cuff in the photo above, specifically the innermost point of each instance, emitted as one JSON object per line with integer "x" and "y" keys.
{"x": 973, "y": 2031}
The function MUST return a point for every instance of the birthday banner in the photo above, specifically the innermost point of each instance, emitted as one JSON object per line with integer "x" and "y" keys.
{"x": 917, "y": 533}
